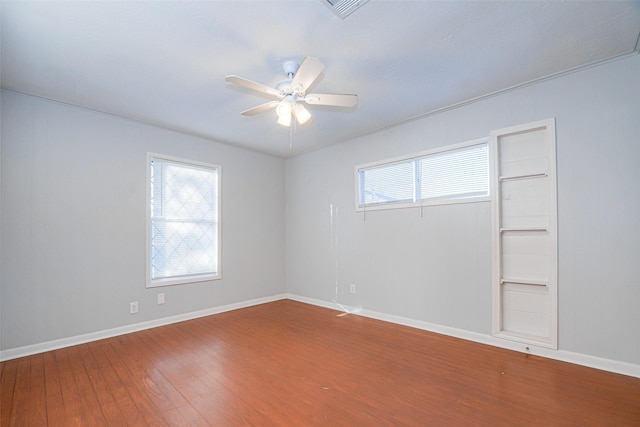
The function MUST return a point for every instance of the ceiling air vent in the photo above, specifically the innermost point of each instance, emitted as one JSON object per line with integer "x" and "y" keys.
{"x": 342, "y": 8}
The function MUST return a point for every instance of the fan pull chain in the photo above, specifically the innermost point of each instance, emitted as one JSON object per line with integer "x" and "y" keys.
{"x": 291, "y": 135}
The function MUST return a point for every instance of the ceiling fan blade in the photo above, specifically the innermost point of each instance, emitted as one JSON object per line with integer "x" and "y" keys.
{"x": 260, "y": 108}
{"x": 332, "y": 99}
{"x": 252, "y": 85}
{"x": 309, "y": 71}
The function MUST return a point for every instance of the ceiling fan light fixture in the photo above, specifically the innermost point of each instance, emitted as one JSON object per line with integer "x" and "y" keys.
{"x": 302, "y": 114}
{"x": 284, "y": 113}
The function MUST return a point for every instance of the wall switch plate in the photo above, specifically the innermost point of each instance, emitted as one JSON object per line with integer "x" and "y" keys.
{"x": 352, "y": 288}
{"x": 161, "y": 298}
{"x": 133, "y": 307}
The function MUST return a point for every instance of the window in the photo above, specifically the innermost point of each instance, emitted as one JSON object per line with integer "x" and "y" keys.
{"x": 183, "y": 227}
{"x": 459, "y": 173}
{"x": 451, "y": 175}
{"x": 390, "y": 183}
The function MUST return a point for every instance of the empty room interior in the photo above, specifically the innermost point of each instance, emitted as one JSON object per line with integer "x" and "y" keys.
{"x": 320, "y": 212}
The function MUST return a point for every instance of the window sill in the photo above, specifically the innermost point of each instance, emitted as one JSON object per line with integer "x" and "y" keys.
{"x": 424, "y": 204}
{"x": 182, "y": 281}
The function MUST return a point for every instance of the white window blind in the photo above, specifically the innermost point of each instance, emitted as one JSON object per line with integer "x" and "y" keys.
{"x": 391, "y": 183}
{"x": 183, "y": 222}
{"x": 451, "y": 174}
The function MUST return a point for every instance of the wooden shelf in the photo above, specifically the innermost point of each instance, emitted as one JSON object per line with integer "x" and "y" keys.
{"x": 524, "y": 282}
{"x": 543, "y": 229}
{"x": 514, "y": 177}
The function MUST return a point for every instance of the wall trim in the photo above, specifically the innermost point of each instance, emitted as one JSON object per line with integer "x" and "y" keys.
{"x": 140, "y": 120}
{"x": 498, "y": 92}
{"x": 595, "y": 362}
{"x": 29, "y": 350}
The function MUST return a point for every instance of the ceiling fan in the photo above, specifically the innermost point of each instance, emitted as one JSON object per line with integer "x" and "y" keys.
{"x": 291, "y": 94}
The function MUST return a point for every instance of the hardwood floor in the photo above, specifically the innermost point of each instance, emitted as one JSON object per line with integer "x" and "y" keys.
{"x": 290, "y": 364}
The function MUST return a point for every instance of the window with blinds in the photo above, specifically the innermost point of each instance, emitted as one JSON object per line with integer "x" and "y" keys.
{"x": 183, "y": 244}
{"x": 457, "y": 173}
{"x": 451, "y": 175}
{"x": 385, "y": 184}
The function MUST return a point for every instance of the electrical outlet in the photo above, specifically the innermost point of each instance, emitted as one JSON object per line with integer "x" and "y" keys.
{"x": 352, "y": 288}
{"x": 133, "y": 307}
{"x": 161, "y": 298}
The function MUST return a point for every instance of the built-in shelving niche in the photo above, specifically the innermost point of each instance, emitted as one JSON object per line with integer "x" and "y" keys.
{"x": 525, "y": 254}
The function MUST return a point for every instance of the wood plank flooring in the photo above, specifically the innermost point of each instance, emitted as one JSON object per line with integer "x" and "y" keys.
{"x": 291, "y": 364}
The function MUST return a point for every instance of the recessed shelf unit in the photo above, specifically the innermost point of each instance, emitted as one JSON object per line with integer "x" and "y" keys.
{"x": 525, "y": 234}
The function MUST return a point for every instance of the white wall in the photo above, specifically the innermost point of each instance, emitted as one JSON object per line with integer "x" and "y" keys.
{"x": 73, "y": 222}
{"x": 437, "y": 268}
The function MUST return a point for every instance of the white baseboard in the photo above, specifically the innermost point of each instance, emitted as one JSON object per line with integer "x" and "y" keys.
{"x": 615, "y": 366}
{"x": 28, "y": 350}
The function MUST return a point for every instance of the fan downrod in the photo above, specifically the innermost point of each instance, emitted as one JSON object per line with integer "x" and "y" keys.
{"x": 290, "y": 68}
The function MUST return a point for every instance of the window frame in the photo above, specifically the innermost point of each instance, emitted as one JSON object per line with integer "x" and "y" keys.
{"x": 193, "y": 278}
{"x": 417, "y": 202}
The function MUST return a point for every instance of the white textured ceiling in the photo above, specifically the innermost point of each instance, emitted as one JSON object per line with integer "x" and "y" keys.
{"x": 164, "y": 62}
